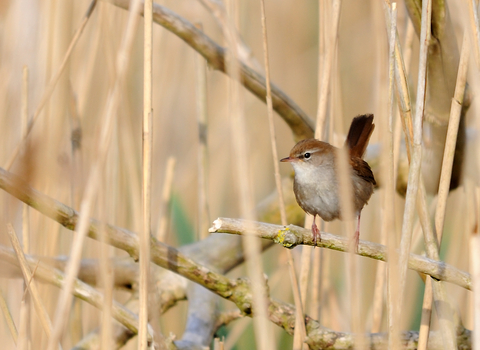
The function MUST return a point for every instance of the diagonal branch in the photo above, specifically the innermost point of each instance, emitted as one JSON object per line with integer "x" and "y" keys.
{"x": 237, "y": 291}
{"x": 299, "y": 122}
{"x": 80, "y": 290}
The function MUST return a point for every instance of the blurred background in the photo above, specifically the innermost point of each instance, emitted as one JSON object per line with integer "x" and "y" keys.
{"x": 64, "y": 142}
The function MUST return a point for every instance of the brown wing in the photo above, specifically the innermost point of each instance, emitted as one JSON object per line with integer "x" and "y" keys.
{"x": 362, "y": 169}
{"x": 359, "y": 134}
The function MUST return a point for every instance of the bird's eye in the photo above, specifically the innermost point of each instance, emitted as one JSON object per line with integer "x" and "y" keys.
{"x": 307, "y": 155}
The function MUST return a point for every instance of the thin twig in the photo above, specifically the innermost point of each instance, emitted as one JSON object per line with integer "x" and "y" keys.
{"x": 147, "y": 145}
{"x": 388, "y": 224}
{"x": 450, "y": 143}
{"x": 414, "y": 172}
{"x": 325, "y": 53}
{"x": 95, "y": 174}
{"x": 53, "y": 82}
{"x": 25, "y": 212}
{"x": 263, "y": 331}
{"x": 300, "y": 332}
{"x": 327, "y": 70}
{"x": 475, "y": 259}
{"x": 30, "y": 283}
{"x": 202, "y": 158}
{"x": 25, "y": 310}
{"x": 8, "y": 318}
{"x": 475, "y": 30}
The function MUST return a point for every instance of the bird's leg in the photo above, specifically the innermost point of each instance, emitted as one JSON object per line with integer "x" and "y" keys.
{"x": 315, "y": 232}
{"x": 356, "y": 237}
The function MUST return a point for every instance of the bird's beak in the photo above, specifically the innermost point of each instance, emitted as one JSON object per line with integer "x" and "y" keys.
{"x": 287, "y": 159}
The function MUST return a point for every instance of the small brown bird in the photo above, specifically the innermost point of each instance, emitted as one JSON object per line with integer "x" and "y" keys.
{"x": 316, "y": 178}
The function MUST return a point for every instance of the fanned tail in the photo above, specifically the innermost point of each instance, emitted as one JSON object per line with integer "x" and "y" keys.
{"x": 359, "y": 134}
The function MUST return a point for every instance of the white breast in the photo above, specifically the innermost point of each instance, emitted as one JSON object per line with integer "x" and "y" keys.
{"x": 316, "y": 190}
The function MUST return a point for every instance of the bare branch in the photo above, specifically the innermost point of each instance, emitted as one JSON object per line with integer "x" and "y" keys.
{"x": 299, "y": 122}
{"x": 291, "y": 236}
{"x": 237, "y": 291}
{"x": 80, "y": 289}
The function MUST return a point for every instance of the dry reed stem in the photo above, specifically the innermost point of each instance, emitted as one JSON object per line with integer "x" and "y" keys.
{"x": 53, "y": 83}
{"x": 24, "y": 334}
{"x": 388, "y": 222}
{"x": 475, "y": 261}
{"x": 8, "y": 318}
{"x": 106, "y": 275}
{"x": 324, "y": 308}
{"x": 166, "y": 194}
{"x": 81, "y": 290}
{"x": 446, "y": 314}
{"x": 273, "y": 140}
{"x": 147, "y": 145}
{"x": 404, "y": 62}
{"x": 378, "y": 297}
{"x": 326, "y": 53}
{"x": 24, "y": 116}
{"x": 323, "y": 281}
{"x": 316, "y": 285}
{"x": 425, "y": 320}
{"x": 403, "y": 95}
{"x": 423, "y": 212}
{"x": 25, "y": 310}
{"x": 345, "y": 190}
{"x": 406, "y": 120}
{"x": 306, "y": 257}
{"x": 414, "y": 171}
{"x": 105, "y": 269}
{"x": 218, "y": 344}
{"x": 451, "y": 140}
{"x": 475, "y": 30}
{"x": 305, "y": 264}
{"x": 202, "y": 157}
{"x": 444, "y": 185}
{"x": 475, "y": 238}
{"x": 327, "y": 70}
{"x": 300, "y": 332}
{"x": 30, "y": 283}
{"x": 474, "y": 265}
{"x": 94, "y": 176}
{"x": 439, "y": 292}
{"x": 351, "y": 265}
{"x": 251, "y": 246}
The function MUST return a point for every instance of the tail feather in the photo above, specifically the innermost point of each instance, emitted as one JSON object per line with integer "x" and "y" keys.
{"x": 359, "y": 134}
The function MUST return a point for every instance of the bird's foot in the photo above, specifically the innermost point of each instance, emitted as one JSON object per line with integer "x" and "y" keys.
{"x": 355, "y": 240}
{"x": 316, "y": 234}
